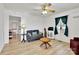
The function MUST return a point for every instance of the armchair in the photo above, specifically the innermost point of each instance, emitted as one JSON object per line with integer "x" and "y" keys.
{"x": 74, "y": 45}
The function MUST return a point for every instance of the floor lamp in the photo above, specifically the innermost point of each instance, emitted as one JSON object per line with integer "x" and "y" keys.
{"x": 23, "y": 34}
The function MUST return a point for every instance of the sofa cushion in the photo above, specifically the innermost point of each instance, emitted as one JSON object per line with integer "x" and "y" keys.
{"x": 29, "y": 34}
{"x": 34, "y": 33}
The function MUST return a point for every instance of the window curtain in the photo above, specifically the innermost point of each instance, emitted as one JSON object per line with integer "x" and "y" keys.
{"x": 64, "y": 20}
{"x": 56, "y": 23}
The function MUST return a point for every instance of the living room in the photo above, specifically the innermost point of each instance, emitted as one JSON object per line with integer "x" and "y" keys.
{"x": 32, "y": 19}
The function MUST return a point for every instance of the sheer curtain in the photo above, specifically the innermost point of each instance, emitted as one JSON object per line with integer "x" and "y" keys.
{"x": 64, "y": 20}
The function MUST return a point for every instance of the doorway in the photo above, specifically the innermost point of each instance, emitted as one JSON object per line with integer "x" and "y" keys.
{"x": 14, "y": 28}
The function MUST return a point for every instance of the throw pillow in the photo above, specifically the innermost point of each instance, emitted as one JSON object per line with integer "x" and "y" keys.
{"x": 29, "y": 34}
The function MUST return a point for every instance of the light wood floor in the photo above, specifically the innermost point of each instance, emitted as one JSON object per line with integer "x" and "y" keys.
{"x": 15, "y": 47}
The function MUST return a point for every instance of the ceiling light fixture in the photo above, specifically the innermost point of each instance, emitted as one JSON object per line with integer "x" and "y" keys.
{"x": 46, "y": 8}
{"x": 44, "y": 12}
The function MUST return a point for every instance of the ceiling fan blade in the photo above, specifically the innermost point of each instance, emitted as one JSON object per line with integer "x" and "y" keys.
{"x": 43, "y": 7}
{"x": 50, "y": 10}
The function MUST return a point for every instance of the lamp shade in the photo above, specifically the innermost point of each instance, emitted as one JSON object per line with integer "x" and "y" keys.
{"x": 23, "y": 26}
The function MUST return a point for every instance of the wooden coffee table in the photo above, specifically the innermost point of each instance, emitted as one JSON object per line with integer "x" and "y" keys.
{"x": 45, "y": 41}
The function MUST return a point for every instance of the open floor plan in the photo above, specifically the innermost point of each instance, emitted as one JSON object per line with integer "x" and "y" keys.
{"x": 39, "y": 29}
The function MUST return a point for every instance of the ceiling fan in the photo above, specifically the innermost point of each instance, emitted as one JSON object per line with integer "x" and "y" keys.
{"x": 46, "y": 8}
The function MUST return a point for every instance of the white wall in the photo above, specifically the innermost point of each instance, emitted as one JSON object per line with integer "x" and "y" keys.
{"x": 34, "y": 22}
{"x": 1, "y": 26}
{"x": 73, "y": 23}
{"x": 39, "y": 22}
{"x": 31, "y": 21}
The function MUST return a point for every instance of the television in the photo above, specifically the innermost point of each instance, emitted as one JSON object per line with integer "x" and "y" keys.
{"x": 50, "y": 28}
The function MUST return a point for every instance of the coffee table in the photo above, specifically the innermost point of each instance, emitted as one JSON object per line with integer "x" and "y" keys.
{"x": 45, "y": 41}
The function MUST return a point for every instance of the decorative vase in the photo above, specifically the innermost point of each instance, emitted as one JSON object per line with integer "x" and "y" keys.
{"x": 45, "y": 32}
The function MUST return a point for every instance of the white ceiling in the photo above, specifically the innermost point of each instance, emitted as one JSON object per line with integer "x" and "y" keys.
{"x": 35, "y": 7}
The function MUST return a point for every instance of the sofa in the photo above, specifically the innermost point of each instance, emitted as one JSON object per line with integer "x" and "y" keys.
{"x": 33, "y": 35}
{"x": 74, "y": 45}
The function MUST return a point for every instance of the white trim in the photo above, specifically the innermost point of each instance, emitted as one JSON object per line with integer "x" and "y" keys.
{"x": 6, "y": 42}
{"x": 1, "y": 48}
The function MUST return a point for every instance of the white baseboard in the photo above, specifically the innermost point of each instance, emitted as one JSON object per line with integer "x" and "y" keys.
{"x": 1, "y": 48}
